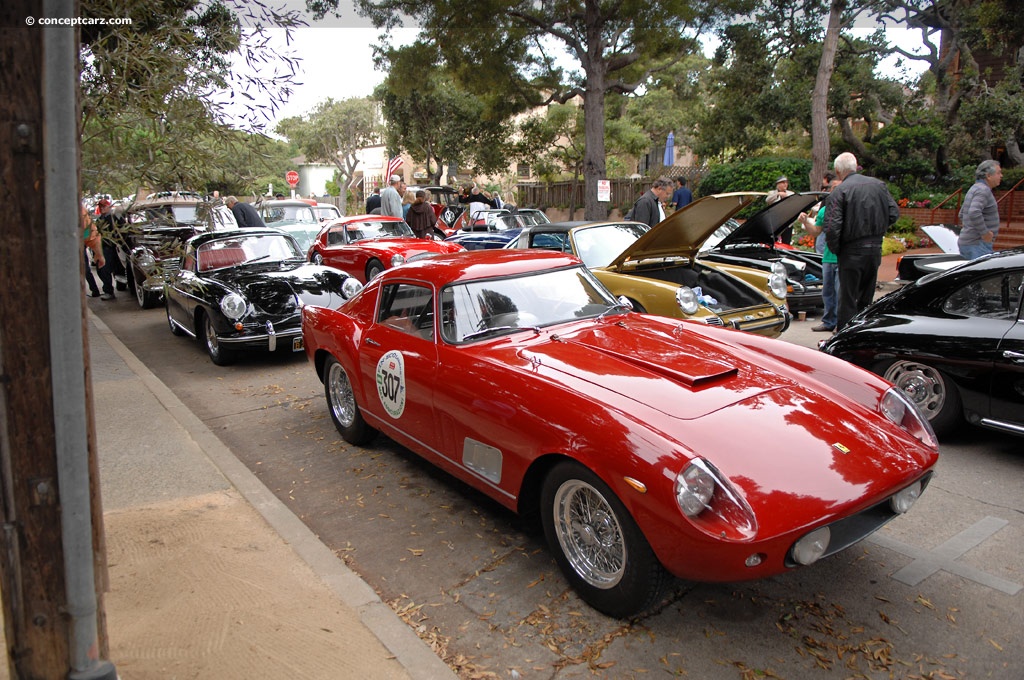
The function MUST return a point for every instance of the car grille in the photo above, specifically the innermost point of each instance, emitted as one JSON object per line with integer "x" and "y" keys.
{"x": 855, "y": 528}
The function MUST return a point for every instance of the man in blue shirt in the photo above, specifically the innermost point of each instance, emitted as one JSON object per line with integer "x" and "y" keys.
{"x": 681, "y": 196}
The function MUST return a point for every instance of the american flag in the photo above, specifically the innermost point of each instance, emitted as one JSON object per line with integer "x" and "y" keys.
{"x": 393, "y": 166}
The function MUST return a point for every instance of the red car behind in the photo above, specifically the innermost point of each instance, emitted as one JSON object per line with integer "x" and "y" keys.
{"x": 365, "y": 245}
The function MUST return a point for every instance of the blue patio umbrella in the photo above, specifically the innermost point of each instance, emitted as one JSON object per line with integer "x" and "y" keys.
{"x": 670, "y": 150}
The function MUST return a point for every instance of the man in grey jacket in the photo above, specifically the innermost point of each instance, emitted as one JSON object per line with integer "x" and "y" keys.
{"x": 391, "y": 197}
{"x": 857, "y": 214}
{"x": 980, "y": 214}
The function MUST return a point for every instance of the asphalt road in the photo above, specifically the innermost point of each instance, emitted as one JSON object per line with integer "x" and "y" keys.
{"x": 935, "y": 594}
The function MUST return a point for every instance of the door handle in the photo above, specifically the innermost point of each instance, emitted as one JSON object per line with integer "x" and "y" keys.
{"x": 372, "y": 342}
{"x": 1013, "y": 356}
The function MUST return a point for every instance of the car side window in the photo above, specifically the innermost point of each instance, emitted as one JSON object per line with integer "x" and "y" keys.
{"x": 993, "y": 297}
{"x": 336, "y": 237}
{"x": 408, "y": 308}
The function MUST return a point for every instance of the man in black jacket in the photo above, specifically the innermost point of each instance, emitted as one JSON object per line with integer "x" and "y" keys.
{"x": 245, "y": 214}
{"x": 858, "y": 213}
{"x": 647, "y": 208}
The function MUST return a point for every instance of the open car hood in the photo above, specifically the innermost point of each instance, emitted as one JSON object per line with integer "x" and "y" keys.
{"x": 763, "y": 227}
{"x": 682, "y": 233}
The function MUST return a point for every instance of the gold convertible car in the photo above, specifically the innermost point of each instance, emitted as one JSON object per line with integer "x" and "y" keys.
{"x": 657, "y": 269}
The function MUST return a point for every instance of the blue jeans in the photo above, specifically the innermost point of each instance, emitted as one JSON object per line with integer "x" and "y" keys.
{"x": 973, "y": 251}
{"x": 830, "y": 293}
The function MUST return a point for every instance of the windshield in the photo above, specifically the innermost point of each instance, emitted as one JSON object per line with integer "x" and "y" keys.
{"x": 719, "y": 234}
{"x": 598, "y": 246}
{"x": 362, "y": 231}
{"x": 291, "y": 214}
{"x": 484, "y": 308}
{"x": 327, "y": 212}
{"x": 305, "y": 234}
{"x": 231, "y": 252}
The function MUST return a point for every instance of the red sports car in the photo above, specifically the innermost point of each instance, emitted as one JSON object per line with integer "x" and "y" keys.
{"x": 365, "y": 245}
{"x": 646, "y": 446}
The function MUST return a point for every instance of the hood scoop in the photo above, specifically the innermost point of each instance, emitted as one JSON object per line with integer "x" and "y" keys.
{"x": 694, "y": 374}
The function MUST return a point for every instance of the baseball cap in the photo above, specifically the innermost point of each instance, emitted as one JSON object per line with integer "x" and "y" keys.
{"x": 104, "y": 203}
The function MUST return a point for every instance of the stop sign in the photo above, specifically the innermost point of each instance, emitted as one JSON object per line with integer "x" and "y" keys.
{"x": 292, "y": 177}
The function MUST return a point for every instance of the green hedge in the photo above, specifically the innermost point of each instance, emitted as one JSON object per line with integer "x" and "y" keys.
{"x": 756, "y": 174}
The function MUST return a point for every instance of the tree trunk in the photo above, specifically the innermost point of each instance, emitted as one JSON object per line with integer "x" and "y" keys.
{"x": 593, "y": 133}
{"x": 820, "y": 145}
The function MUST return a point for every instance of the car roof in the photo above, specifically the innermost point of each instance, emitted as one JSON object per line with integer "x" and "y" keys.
{"x": 286, "y": 202}
{"x": 348, "y": 219}
{"x": 234, "y": 233}
{"x": 470, "y": 265}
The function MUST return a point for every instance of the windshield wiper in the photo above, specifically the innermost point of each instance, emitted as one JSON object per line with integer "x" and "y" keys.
{"x": 617, "y": 306}
{"x": 494, "y": 329}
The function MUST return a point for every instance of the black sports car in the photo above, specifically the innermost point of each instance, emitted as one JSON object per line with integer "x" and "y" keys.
{"x": 244, "y": 290}
{"x": 953, "y": 341}
{"x": 752, "y": 244}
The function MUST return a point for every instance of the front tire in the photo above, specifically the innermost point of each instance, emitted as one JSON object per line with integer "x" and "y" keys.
{"x": 373, "y": 268}
{"x": 145, "y": 298}
{"x": 597, "y": 545}
{"x": 341, "y": 402}
{"x": 218, "y": 354}
{"x": 317, "y": 258}
{"x": 175, "y": 329}
{"x": 930, "y": 389}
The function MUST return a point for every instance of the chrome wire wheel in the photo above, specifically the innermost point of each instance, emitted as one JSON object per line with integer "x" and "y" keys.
{"x": 590, "y": 534}
{"x": 923, "y": 384}
{"x": 339, "y": 394}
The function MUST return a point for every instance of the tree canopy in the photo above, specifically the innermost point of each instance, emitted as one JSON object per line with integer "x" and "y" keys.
{"x": 162, "y": 97}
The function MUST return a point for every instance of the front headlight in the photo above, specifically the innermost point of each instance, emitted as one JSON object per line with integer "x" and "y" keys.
{"x": 397, "y": 260}
{"x": 707, "y": 499}
{"x": 687, "y": 300}
{"x": 233, "y": 305}
{"x": 145, "y": 260}
{"x": 350, "y": 287}
{"x": 898, "y": 408}
{"x": 778, "y": 286}
{"x": 694, "y": 488}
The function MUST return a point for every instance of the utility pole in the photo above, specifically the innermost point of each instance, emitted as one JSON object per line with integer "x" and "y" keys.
{"x": 52, "y": 526}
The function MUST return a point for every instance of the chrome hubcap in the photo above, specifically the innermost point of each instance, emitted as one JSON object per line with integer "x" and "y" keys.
{"x": 589, "y": 534}
{"x": 343, "y": 403}
{"x": 923, "y": 384}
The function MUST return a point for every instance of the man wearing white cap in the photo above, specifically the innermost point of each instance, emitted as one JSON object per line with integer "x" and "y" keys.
{"x": 391, "y": 197}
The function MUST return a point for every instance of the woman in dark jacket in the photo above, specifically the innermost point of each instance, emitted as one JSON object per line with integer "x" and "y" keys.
{"x": 421, "y": 215}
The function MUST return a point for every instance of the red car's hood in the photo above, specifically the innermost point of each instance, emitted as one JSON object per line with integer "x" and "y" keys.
{"x": 774, "y": 430}
{"x": 655, "y": 367}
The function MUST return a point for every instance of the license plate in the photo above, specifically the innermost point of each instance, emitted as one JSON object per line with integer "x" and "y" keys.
{"x": 297, "y": 344}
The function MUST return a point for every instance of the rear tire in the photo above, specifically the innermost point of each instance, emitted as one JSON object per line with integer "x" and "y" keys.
{"x": 597, "y": 545}
{"x": 218, "y": 354}
{"x": 341, "y": 402}
{"x": 930, "y": 389}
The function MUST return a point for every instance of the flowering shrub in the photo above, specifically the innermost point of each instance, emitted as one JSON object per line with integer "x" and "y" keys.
{"x": 806, "y": 242}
